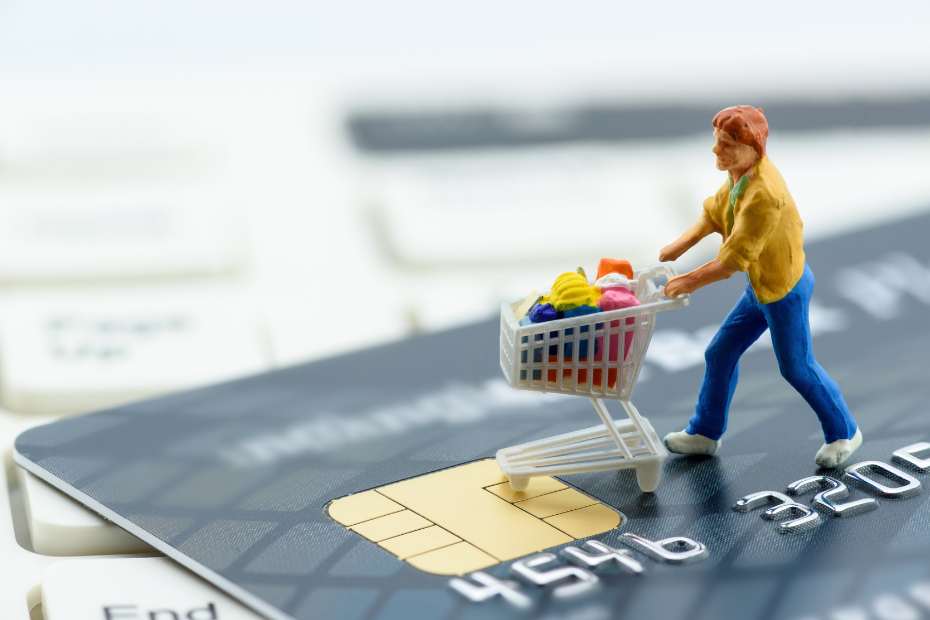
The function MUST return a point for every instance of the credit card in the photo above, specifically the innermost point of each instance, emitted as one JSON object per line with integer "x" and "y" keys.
{"x": 364, "y": 486}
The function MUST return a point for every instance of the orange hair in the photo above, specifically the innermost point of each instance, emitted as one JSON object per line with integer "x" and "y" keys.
{"x": 745, "y": 124}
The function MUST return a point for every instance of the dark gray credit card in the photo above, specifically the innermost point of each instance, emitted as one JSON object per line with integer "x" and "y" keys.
{"x": 257, "y": 484}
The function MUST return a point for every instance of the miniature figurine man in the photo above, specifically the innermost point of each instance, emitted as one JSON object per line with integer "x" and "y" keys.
{"x": 761, "y": 230}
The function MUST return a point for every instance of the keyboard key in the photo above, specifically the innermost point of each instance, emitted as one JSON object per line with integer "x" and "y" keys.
{"x": 20, "y": 568}
{"x": 68, "y": 352}
{"x": 59, "y": 525}
{"x": 82, "y": 234}
{"x": 110, "y": 138}
{"x": 504, "y": 208}
{"x": 132, "y": 589}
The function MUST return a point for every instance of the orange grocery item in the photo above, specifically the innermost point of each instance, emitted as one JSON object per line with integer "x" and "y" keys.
{"x": 582, "y": 373}
{"x": 614, "y": 265}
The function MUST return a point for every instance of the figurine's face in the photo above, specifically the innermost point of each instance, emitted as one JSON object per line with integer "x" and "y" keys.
{"x": 731, "y": 155}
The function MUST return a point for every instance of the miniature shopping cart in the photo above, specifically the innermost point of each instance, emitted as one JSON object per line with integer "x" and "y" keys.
{"x": 574, "y": 356}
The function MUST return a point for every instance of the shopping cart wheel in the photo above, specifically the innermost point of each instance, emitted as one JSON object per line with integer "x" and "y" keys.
{"x": 520, "y": 484}
{"x": 648, "y": 475}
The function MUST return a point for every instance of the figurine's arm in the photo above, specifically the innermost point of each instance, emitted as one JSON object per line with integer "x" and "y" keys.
{"x": 703, "y": 227}
{"x": 753, "y": 225}
{"x": 755, "y": 221}
{"x": 714, "y": 271}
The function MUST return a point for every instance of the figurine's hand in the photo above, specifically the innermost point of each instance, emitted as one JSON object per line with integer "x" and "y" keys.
{"x": 679, "y": 285}
{"x": 687, "y": 283}
{"x": 669, "y": 253}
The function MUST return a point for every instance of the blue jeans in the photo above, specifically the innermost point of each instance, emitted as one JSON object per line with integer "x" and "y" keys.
{"x": 788, "y": 324}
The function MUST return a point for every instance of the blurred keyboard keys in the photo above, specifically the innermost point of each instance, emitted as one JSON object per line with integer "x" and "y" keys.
{"x": 74, "y": 352}
{"x": 523, "y": 207}
{"x": 58, "y": 525}
{"x": 454, "y": 191}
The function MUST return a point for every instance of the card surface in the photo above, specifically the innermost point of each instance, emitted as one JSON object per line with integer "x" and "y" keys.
{"x": 358, "y": 487}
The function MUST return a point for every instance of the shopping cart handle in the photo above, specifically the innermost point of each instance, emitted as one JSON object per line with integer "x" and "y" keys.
{"x": 662, "y": 269}
{"x": 661, "y": 290}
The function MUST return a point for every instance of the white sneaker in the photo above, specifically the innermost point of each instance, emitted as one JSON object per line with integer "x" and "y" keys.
{"x": 685, "y": 443}
{"x": 832, "y": 454}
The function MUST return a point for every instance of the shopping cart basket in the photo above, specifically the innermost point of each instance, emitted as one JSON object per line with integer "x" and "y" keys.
{"x": 546, "y": 357}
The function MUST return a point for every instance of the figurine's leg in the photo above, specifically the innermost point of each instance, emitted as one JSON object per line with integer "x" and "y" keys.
{"x": 740, "y": 329}
{"x": 791, "y": 338}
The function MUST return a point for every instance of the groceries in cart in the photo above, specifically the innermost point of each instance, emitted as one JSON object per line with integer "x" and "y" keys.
{"x": 573, "y": 296}
{"x": 569, "y": 341}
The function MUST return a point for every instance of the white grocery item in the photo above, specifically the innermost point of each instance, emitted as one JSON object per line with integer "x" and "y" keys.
{"x": 71, "y": 352}
{"x": 615, "y": 444}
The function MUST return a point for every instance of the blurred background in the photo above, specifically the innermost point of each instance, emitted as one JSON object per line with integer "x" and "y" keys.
{"x": 196, "y": 190}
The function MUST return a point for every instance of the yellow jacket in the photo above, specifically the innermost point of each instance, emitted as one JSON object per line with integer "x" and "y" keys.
{"x": 761, "y": 232}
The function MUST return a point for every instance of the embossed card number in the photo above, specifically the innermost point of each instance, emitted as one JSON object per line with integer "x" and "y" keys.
{"x": 796, "y": 517}
{"x": 793, "y": 517}
{"x": 570, "y": 581}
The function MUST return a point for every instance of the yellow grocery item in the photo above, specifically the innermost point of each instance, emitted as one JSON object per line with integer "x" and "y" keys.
{"x": 571, "y": 290}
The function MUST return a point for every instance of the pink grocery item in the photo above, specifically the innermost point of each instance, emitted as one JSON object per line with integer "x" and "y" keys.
{"x": 617, "y": 293}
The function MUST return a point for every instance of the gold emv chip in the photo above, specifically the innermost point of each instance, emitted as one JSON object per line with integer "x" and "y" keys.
{"x": 467, "y": 518}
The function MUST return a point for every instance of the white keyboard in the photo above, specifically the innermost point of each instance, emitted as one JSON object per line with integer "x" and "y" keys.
{"x": 155, "y": 246}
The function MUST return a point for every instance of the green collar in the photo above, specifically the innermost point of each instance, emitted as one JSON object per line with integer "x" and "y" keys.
{"x": 737, "y": 191}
